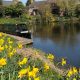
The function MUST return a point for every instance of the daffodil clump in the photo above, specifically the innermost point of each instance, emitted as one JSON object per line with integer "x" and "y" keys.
{"x": 2, "y": 62}
{"x": 14, "y": 66}
{"x": 51, "y": 57}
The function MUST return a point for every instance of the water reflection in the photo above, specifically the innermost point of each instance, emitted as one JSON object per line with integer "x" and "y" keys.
{"x": 62, "y": 39}
{"x": 16, "y": 29}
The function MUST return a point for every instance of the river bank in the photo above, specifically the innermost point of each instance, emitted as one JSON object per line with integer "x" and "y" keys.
{"x": 19, "y": 62}
{"x": 35, "y": 20}
{"x": 37, "y": 54}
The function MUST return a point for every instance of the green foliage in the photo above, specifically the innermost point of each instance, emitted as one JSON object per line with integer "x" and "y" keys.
{"x": 1, "y": 11}
{"x": 8, "y": 10}
{"x": 28, "y": 19}
{"x": 9, "y": 21}
{"x": 12, "y": 10}
{"x": 77, "y": 10}
{"x": 67, "y": 6}
{"x": 1, "y": 2}
{"x": 19, "y": 5}
{"x": 29, "y": 2}
{"x": 26, "y": 16}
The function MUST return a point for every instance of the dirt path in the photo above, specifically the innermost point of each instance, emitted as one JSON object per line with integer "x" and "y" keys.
{"x": 40, "y": 55}
{"x": 21, "y": 40}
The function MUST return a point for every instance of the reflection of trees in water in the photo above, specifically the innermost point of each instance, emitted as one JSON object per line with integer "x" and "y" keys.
{"x": 43, "y": 31}
{"x": 64, "y": 33}
{"x": 8, "y": 28}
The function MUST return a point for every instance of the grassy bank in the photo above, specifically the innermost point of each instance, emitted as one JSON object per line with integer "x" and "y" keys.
{"x": 9, "y": 20}
{"x": 17, "y": 64}
{"x": 34, "y": 20}
{"x": 13, "y": 21}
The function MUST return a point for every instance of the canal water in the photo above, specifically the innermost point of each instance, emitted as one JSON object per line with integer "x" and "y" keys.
{"x": 60, "y": 39}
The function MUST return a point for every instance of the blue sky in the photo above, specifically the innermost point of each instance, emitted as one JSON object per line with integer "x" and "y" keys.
{"x": 24, "y": 1}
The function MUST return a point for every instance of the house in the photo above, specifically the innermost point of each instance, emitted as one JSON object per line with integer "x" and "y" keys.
{"x": 37, "y": 5}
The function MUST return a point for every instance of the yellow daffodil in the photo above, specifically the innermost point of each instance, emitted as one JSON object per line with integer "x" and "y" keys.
{"x": 24, "y": 61}
{"x": 75, "y": 71}
{"x": 6, "y": 46}
{"x": 10, "y": 42}
{"x": 2, "y": 62}
{"x": 50, "y": 56}
{"x": 1, "y": 42}
{"x": 63, "y": 62}
{"x": 46, "y": 66}
{"x": 1, "y": 48}
{"x": 10, "y": 48}
{"x": 14, "y": 50}
{"x": 1, "y": 34}
{"x": 33, "y": 73}
{"x": 19, "y": 45}
{"x": 35, "y": 70}
{"x": 22, "y": 73}
{"x": 10, "y": 54}
{"x": 72, "y": 71}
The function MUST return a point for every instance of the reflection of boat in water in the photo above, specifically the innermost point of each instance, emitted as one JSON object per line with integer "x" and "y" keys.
{"x": 22, "y": 30}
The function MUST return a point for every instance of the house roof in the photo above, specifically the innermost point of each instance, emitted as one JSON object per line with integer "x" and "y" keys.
{"x": 39, "y": 3}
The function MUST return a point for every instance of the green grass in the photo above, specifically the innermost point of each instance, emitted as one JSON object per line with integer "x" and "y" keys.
{"x": 9, "y": 20}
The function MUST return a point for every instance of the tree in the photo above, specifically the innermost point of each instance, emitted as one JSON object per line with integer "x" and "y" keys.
{"x": 1, "y": 11}
{"x": 67, "y": 6}
{"x": 20, "y": 5}
{"x": 0, "y": 2}
{"x": 77, "y": 10}
{"x": 14, "y": 10}
{"x": 29, "y": 2}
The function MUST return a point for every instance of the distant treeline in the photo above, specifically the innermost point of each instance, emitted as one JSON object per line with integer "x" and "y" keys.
{"x": 66, "y": 8}
{"x": 59, "y": 8}
{"x": 12, "y": 10}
